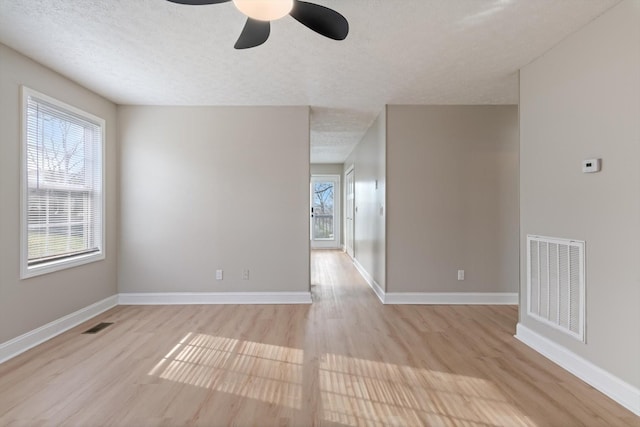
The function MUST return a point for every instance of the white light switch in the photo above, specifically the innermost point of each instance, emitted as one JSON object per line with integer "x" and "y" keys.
{"x": 460, "y": 274}
{"x": 218, "y": 274}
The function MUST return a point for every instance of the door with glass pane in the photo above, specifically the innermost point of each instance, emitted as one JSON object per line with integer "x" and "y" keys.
{"x": 325, "y": 210}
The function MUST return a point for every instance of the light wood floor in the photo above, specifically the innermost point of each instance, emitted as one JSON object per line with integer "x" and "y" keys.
{"x": 345, "y": 360}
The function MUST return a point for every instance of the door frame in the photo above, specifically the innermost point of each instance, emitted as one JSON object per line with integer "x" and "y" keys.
{"x": 352, "y": 235}
{"x": 337, "y": 217}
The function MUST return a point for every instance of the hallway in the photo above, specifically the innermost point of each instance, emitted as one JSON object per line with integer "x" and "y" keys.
{"x": 335, "y": 278}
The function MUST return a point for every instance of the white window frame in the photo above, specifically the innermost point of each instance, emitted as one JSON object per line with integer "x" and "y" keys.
{"x": 27, "y": 271}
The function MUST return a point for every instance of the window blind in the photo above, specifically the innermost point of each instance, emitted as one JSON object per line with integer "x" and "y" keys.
{"x": 64, "y": 182}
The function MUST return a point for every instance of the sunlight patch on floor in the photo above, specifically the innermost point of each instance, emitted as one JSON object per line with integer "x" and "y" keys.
{"x": 353, "y": 391}
{"x": 357, "y": 391}
{"x": 268, "y": 373}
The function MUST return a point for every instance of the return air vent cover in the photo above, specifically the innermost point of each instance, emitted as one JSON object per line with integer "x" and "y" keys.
{"x": 555, "y": 282}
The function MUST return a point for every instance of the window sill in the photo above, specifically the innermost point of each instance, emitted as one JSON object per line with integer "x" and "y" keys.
{"x": 63, "y": 264}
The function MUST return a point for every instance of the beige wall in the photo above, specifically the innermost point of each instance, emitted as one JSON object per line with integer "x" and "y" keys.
{"x": 28, "y": 304}
{"x": 333, "y": 169}
{"x": 326, "y": 168}
{"x": 452, "y": 195}
{"x": 578, "y": 101}
{"x": 214, "y": 187}
{"x": 369, "y": 161}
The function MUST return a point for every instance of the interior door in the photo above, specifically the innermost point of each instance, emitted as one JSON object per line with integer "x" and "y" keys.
{"x": 325, "y": 204}
{"x": 350, "y": 210}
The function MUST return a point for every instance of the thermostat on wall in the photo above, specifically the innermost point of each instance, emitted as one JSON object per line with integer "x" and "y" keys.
{"x": 591, "y": 165}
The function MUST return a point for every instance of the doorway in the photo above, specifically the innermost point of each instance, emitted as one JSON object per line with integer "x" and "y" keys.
{"x": 324, "y": 210}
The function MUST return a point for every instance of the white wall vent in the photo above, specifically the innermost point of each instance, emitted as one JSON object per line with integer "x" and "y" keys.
{"x": 555, "y": 282}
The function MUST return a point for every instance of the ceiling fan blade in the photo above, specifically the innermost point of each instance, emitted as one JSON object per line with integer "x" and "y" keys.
{"x": 253, "y": 34}
{"x": 198, "y": 2}
{"x": 321, "y": 19}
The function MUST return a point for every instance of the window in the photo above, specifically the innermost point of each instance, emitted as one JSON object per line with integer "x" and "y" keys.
{"x": 62, "y": 185}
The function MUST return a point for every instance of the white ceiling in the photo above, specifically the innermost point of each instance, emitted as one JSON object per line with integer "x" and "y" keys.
{"x": 153, "y": 52}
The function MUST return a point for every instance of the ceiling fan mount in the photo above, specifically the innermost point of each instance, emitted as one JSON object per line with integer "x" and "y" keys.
{"x": 260, "y": 14}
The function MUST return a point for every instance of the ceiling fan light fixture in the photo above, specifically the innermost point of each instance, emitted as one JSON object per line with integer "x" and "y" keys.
{"x": 264, "y": 10}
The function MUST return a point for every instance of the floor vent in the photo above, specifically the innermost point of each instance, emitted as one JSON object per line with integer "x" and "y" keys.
{"x": 555, "y": 282}
{"x": 97, "y": 328}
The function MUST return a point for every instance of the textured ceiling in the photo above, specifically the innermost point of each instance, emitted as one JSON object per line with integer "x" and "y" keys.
{"x": 398, "y": 52}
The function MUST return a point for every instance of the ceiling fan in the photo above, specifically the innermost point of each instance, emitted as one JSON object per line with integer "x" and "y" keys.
{"x": 260, "y": 13}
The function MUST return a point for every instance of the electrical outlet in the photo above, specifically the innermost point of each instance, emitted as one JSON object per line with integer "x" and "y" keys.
{"x": 218, "y": 274}
{"x": 245, "y": 274}
{"x": 460, "y": 274}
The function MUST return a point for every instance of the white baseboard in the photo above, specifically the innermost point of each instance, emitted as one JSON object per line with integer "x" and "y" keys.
{"x": 452, "y": 298}
{"x": 620, "y": 391}
{"x": 190, "y": 298}
{"x": 18, "y": 345}
{"x": 370, "y": 281}
{"x": 24, "y": 342}
{"x": 437, "y": 298}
